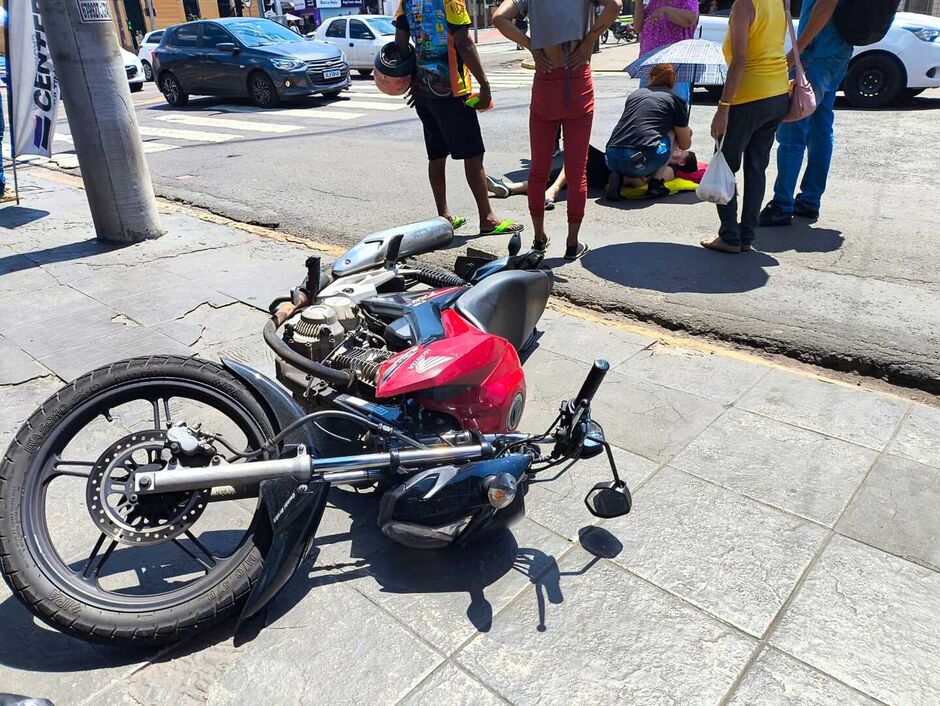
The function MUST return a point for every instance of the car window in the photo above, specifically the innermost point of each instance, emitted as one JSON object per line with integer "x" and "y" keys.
{"x": 212, "y": 34}
{"x": 382, "y": 26}
{"x": 358, "y": 30}
{"x": 153, "y": 37}
{"x": 337, "y": 29}
{"x": 185, "y": 36}
{"x": 259, "y": 33}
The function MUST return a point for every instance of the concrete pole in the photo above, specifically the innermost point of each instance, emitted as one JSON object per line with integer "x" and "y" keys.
{"x": 87, "y": 59}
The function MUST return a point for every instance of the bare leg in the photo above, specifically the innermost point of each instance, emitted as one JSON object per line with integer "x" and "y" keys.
{"x": 552, "y": 192}
{"x": 665, "y": 173}
{"x": 437, "y": 175}
{"x": 518, "y": 188}
{"x": 476, "y": 180}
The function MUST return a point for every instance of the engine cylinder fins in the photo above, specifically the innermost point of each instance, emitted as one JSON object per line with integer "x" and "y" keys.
{"x": 364, "y": 361}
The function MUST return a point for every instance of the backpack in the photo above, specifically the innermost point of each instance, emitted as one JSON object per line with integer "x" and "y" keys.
{"x": 862, "y": 22}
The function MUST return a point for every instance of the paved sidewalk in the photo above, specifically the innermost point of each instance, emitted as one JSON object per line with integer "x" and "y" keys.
{"x": 784, "y": 546}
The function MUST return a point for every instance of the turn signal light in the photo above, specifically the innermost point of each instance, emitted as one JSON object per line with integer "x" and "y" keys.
{"x": 501, "y": 490}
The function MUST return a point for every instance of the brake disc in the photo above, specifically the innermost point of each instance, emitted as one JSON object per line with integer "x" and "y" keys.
{"x": 138, "y": 519}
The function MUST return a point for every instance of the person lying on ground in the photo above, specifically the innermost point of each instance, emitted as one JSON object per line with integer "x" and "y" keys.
{"x": 654, "y": 121}
{"x": 503, "y": 188}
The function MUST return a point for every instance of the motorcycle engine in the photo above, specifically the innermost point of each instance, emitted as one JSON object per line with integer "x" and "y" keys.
{"x": 332, "y": 332}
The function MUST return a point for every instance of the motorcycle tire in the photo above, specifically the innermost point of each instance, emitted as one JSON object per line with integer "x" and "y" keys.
{"x": 38, "y": 580}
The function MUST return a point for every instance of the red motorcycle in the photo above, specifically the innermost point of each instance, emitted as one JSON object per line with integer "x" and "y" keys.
{"x": 415, "y": 394}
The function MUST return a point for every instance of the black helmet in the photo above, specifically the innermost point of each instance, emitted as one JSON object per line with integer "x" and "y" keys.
{"x": 391, "y": 63}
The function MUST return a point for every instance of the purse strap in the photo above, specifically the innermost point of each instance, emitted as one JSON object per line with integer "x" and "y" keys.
{"x": 795, "y": 49}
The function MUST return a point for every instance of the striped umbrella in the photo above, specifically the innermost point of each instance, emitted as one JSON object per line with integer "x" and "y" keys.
{"x": 696, "y": 61}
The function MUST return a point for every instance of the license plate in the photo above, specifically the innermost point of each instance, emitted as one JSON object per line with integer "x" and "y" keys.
{"x": 332, "y": 73}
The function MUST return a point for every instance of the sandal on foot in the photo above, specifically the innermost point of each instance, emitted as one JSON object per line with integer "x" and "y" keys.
{"x": 497, "y": 187}
{"x": 549, "y": 204}
{"x": 541, "y": 245}
{"x": 720, "y": 245}
{"x": 576, "y": 252}
{"x": 457, "y": 221}
{"x": 507, "y": 227}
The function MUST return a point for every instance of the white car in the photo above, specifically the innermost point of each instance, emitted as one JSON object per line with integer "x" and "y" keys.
{"x": 134, "y": 69}
{"x": 358, "y": 36}
{"x": 151, "y": 40}
{"x": 903, "y": 64}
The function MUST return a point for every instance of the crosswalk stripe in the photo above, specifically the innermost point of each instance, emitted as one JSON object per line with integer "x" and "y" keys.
{"x": 248, "y": 125}
{"x": 148, "y": 146}
{"x": 191, "y": 135}
{"x": 316, "y": 113}
{"x": 367, "y": 105}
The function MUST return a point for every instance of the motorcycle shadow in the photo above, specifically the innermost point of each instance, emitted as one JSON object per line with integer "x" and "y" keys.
{"x": 28, "y": 644}
{"x": 487, "y": 572}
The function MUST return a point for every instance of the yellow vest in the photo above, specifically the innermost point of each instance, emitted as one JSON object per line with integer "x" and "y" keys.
{"x": 765, "y": 74}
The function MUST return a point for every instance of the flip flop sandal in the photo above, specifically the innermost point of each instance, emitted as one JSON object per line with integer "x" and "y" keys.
{"x": 507, "y": 227}
{"x": 498, "y": 187}
{"x": 576, "y": 252}
{"x": 549, "y": 204}
{"x": 719, "y": 245}
{"x": 457, "y": 221}
{"x": 541, "y": 245}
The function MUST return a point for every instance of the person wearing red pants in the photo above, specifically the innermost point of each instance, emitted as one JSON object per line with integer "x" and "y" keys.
{"x": 561, "y": 38}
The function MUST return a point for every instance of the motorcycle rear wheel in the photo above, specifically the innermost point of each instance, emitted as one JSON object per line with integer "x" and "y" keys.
{"x": 77, "y": 597}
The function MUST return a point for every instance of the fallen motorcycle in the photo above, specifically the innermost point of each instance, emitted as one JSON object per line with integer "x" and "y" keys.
{"x": 621, "y": 31}
{"x": 154, "y": 497}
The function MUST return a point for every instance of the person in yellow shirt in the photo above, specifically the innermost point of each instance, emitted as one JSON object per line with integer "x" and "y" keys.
{"x": 753, "y": 103}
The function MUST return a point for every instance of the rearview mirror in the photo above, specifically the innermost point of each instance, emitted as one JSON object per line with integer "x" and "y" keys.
{"x": 609, "y": 500}
{"x": 227, "y": 46}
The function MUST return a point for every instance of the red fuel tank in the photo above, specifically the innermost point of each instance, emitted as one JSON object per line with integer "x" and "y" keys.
{"x": 473, "y": 376}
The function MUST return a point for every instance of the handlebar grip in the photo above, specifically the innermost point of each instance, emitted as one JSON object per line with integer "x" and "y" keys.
{"x": 593, "y": 380}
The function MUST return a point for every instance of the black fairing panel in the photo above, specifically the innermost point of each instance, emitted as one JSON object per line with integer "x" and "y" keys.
{"x": 507, "y": 304}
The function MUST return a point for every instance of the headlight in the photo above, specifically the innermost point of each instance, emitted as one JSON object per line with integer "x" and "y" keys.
{"x": 287, "y": 64}
{"x": 925, "y": 34}
{"x": 342, "y": 55}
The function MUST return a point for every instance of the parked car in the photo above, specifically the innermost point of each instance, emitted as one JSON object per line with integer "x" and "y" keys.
{"x": 134, "y": 70}
{"x": 245, "y": 56}
{"x": 903, "y": 64}
{"x": 145, "y": 54}
{"x": 360, "y": 36}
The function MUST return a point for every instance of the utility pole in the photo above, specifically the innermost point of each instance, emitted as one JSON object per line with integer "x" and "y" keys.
{"x": 87, "y": 59}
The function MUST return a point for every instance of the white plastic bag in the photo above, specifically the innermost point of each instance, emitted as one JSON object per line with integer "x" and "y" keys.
{"x": 718, "y": 184}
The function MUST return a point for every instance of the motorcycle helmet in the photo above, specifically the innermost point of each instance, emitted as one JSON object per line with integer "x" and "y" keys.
{"x": 392, "y": 70}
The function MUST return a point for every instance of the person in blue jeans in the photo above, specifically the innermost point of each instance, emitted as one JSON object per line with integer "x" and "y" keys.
{"x": 825, "y": 56}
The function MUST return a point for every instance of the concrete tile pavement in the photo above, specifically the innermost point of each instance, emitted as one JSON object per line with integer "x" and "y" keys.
{"x": 782, "y": 548}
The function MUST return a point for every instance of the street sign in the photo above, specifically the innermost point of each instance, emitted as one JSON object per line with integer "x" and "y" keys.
{"x": 94, "y": 11}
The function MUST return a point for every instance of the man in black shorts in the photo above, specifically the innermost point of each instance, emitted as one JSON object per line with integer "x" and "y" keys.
{"x": 446, "y": 57}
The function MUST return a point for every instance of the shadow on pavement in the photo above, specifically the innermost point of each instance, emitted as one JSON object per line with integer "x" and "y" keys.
{"x": 59, "y": 253}
{"x": 683, "y": 198}
{"x": 799, "y": 237}
{"x": 16, "y": 216}
{"x": 676, "y": 267}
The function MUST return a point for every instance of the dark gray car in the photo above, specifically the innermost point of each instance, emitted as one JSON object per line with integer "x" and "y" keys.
{"x": 242, "y": 56}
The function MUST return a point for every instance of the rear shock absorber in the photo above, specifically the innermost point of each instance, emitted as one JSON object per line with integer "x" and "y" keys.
{"x": 434, "y": 277}
{"x": 365, "y": 361}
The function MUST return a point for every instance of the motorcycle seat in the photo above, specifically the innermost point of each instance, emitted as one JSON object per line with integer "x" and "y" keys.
{"x": 507, "y": 304}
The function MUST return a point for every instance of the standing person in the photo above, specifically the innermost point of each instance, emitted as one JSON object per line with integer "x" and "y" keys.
{"x": 446, "y": 57}
{"x": 825, "y": 56}
{"x": 754, "y": 101}
{"x": 561, "y": 40}
{"x": 663, "y": 23}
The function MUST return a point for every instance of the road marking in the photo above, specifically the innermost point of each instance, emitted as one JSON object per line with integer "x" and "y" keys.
{"x": 316, "y": 113}
{"x": 367, "y": 105}
{"x": 148, "y": 146}
{"x": 248, "y": 125}
{"x": 191, "y": 135}
{"x": 149, "y": 101}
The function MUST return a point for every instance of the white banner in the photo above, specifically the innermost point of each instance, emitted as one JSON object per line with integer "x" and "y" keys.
{"x": 35, "y": 90}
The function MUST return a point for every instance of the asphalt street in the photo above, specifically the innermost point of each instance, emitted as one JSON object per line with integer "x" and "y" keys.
{"x": 858, "y": 290}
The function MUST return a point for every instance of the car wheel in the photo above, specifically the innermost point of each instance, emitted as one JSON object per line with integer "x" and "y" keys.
{"x": 365, "y": 72}
{"x": 148, "y": 70}
{"x": 874, "y": 81}
{"x": 135, "y": 87}
{"x": 262, "y": 91}
{"x": 172, "y": 91}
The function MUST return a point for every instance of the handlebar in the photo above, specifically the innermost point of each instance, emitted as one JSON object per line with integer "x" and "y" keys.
{"x": 593, "y": 381}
